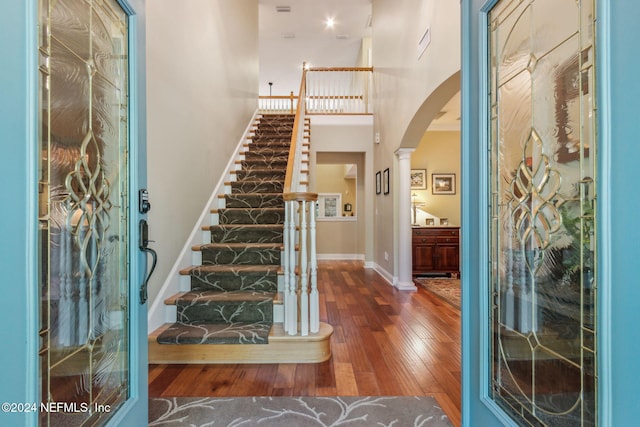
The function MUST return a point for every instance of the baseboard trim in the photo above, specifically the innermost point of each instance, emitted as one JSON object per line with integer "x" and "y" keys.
{"x": 388, "y": 277}
{"x": 340, "y": 257}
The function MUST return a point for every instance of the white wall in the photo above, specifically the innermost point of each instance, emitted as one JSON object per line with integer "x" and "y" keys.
{"x": 402, "y": 84}
{"x": 202, "y": 87}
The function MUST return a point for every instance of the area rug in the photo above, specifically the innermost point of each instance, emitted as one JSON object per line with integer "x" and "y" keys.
{"x": 446, "y": 289}
{"x": 296, "y": 411}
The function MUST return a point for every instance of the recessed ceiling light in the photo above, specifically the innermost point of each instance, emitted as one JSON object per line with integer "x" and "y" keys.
{"x": 331, "y": 22}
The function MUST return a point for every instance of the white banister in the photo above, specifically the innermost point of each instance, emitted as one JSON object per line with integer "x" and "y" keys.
{"x": 300, "y": 266}
{"x": 331, "y": 91}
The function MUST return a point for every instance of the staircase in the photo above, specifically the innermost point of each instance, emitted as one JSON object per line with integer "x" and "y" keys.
{"x": 233, "y": 291}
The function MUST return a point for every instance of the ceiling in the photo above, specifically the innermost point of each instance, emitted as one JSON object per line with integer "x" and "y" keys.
{"x": 287, "y": 39}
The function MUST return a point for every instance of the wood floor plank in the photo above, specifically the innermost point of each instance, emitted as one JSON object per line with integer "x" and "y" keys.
{"x": 346, "y": 380}
{"x": 385, "y": 343}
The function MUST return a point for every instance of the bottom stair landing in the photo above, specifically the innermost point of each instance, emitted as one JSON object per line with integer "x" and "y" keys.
{"x": 282, "y": 348}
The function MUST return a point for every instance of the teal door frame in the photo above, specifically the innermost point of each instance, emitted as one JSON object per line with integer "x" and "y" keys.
{"x": 618, "y": 101}
{"x": 19, "y": 221}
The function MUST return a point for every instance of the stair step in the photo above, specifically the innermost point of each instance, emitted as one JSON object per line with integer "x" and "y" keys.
{"x": 260, "y": 162}
{"x": 251, "y": 215}
{"x": 246, "y": 186}
{"x": 281, "y": 348}
{"x": 254, "y": 200}
{"x": 197, "y": 307}
{"x": 240, "y": 254}
{"x": 266, "y": 152}
{"x": 233, "y": 277}
{"x": 260, "y": 174}
{"x": 236, "y": 333}
{"x": 270, "y": 141}
{"x": 246, "y": 233}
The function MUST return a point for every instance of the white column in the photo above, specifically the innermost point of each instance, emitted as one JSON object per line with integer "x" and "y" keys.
{"x": 405, "y": 281}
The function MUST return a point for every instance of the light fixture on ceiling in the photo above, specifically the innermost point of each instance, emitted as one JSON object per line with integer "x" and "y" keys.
{"x": 282, "y": 9}
{"x": 331, "y": 22}
{"x": 342, "y": 36}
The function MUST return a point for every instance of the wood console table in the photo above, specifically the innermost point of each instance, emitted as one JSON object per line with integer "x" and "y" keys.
{"x": 436, "y": 250}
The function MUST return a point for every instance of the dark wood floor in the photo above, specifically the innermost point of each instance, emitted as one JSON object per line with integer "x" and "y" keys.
{"x": 386, "y": 342}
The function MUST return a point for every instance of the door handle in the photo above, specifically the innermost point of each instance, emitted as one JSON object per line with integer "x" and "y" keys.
{"x": 144, "y": 247}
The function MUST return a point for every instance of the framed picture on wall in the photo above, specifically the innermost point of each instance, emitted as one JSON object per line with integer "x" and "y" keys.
{"x": 418, "y": 179}
{"x": 443, "y": 183}
{"x": 385, "y": 181}
{"x": 378, "y": 182}
{"x": 329, "y": 205}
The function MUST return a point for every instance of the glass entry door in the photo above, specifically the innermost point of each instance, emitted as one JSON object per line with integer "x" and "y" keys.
{"x": 83, "y": 210}
{"x": 543, "y": 189}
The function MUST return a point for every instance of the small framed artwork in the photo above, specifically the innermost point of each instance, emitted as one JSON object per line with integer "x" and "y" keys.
{"x": 429, "y": 221}
{"x": 385, "y": 181}
{"x": 444, "y": 221}
{"x": 443, "y": 183}
{"x": 418, "y": 179}
{"x": 378, "y": 182}
{"x": 329, "y": 205}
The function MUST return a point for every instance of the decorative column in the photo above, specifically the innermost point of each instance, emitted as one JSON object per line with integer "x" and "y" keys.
{"x": 405, "y": 266}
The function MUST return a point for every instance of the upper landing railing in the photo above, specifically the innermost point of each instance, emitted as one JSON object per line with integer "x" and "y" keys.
{"x": 333, "y": 90}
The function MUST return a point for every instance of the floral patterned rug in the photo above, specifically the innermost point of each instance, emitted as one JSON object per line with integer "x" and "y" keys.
{"x": 446, "y": 289}
{"x": 297, "y": 411}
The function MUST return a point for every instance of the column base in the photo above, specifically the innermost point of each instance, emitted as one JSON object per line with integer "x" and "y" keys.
{"x": 406, "y": 286}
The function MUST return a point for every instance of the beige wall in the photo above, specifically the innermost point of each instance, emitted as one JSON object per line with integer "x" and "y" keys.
{"x": 402, "y": 85}
{"x": 345, "y": 140}
{"x": 330, "y": 178}
{"x": 439, "y": 152}
{"x": 202, "y": 87}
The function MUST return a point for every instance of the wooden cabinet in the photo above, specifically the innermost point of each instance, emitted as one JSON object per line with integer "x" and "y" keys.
{"x": 436, "y": 250}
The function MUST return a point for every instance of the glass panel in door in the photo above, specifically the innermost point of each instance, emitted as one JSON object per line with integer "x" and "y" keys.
{"x": 543, "y": 249}
{"x": 83, "y": 205}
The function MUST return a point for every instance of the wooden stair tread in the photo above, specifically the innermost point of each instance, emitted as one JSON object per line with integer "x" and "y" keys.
{"x": 237, "y": 246}
{"x": 223, "y": 268}
{"x": 245, "y": 226}
{"x": 218, "y": 296}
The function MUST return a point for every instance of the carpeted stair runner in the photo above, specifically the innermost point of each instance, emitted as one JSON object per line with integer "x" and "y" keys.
{"x": 232, "y": 292}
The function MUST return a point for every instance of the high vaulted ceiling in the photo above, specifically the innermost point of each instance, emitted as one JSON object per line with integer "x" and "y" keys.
{"x": 287, "y": 39}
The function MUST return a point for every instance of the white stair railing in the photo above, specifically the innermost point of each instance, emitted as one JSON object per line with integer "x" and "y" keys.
{"x": 338, "y": 90}
{"x": 277, "y": 104}
{"x": 301, "y": 302}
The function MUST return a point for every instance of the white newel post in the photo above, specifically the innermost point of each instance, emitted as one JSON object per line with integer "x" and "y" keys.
{"x": 405, "y": 281}
{"x": 314, "y": 299}
{"x": 291, "y": 302}
{"x": 304, "y": 289}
